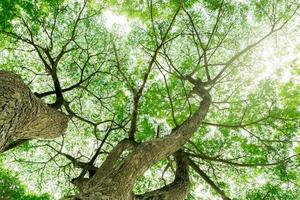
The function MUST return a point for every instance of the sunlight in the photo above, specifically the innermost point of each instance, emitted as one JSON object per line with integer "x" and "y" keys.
{"x": 274, "y": 59}
{"x": 277, "y": 56}
{"x": 116, "y": 23}
{"x": 271, "y": 62}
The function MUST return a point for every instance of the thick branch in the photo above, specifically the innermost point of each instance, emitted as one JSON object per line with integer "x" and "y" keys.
{"x": 23, "y": 115}
{"x": 179, "y": 188}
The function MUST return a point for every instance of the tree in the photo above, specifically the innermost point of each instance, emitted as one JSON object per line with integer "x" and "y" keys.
{"x": 11, "y": 188}
{"x": 24, "y": 116}
{"x": 172, "y": 96}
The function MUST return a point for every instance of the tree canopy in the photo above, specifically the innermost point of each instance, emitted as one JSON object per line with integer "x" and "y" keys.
{"x": 165, "y": 99}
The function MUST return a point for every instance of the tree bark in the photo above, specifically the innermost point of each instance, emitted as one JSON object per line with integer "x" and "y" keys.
{"x": 23, "y": 115}
{"x": 116, "y": 181}
{"x": 178, "y": 189}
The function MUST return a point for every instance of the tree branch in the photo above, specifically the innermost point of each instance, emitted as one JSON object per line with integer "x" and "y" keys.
{"x": 179, "y": 188}
{"x": 208, "y": 180}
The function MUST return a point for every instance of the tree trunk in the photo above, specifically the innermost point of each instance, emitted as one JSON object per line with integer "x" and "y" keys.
{"x": 115, "y": 180}
{"x": 23, "y": 115}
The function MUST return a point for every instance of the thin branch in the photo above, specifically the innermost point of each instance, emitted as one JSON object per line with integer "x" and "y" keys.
{"x": 207, "y": 179}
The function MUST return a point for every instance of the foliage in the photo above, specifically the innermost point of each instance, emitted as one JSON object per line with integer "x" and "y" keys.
{"x": 12, "y": 189}
{"x": 270, "y": 191}
{"x": 248, "y": 144}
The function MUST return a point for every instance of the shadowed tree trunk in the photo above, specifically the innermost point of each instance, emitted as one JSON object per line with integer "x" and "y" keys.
{"x": 23, "y": 115}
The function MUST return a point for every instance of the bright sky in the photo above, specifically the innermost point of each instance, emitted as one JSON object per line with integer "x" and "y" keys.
{"x": 116, "y": 23}
{"x": 269, "y": 60}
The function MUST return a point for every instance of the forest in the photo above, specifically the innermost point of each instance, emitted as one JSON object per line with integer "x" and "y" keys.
{"x": 149, "y": 100}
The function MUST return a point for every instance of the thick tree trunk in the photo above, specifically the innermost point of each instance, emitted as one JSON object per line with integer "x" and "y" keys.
{"x": 115, "y": 181}
{"x": 23, "y": 115}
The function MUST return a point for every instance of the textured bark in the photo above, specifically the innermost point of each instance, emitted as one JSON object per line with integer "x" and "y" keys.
{"x": 178, "y": 189}
{"x": 23, "y": 115}
{"x": 117, "y": 182}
